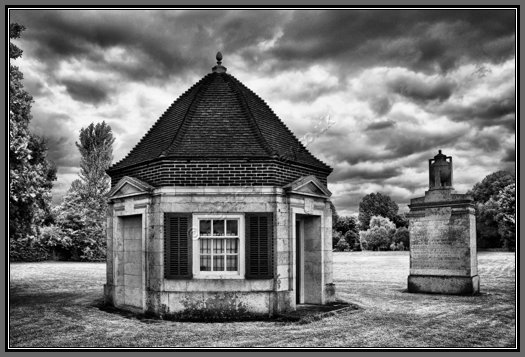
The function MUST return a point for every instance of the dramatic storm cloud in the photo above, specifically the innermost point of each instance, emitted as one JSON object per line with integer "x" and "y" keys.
{"x": 374, "y": 93}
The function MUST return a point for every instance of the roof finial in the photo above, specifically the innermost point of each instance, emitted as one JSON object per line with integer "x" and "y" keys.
{"x": 219, "y": 68}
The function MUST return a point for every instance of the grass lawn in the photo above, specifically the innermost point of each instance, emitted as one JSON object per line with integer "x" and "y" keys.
{"x": 52, "y": 305}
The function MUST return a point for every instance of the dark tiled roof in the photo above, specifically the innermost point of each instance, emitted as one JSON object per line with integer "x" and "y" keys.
{"x": 219, "y": 117}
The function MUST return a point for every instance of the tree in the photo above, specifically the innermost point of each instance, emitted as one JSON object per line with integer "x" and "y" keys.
{"x": 491, "y": 186}
{"x": 82, "y": 214}
{"x": 485, "y": 195}
{"x": 506, "y": 217}
{"x": 342, "y": 245}
{"x": 376, "y": 204}
{"x": 380, "y": 234}
{"x": 96, "y": 149}
{"x": 402, "y": 237}
{"x": 30, "y": 173}
{"x": 352, "y": 238}
{"x": 401, "y": 220}
{"x": 487, "y": 235}
{"x": 345, "y": 224}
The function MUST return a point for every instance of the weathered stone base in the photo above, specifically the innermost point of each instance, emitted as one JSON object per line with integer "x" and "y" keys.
{"x": 453, "y": 285}
{"x": 221, "y": 304}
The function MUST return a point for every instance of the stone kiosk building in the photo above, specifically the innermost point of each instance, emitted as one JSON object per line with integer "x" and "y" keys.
{"x": 442, "y": 228}
{"x": 219, "y": 207}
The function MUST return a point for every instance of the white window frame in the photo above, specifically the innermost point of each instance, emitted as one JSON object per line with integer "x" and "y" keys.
{"x": 197, "y": 273}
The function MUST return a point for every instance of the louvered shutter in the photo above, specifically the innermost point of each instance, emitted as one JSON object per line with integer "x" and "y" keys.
{"x": 259, "y": 246}
{"x": 177, "y": 246}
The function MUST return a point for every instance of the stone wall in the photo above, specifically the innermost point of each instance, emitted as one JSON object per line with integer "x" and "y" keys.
{"x": 168, "y": 296}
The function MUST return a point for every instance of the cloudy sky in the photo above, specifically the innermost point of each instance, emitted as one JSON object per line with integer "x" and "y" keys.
{"x": 373, "y": 93}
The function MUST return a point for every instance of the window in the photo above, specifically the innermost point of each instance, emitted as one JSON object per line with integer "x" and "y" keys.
{"x": 218, "y": 246}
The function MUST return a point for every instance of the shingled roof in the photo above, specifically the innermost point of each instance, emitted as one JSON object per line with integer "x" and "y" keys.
{"x": 219, "y": 117}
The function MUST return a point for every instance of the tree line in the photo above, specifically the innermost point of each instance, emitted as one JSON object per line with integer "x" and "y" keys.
{"x": 76, "y": 228}
{"x": 379, "y": 225}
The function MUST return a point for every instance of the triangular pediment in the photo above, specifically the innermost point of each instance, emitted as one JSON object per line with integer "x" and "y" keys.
{"x": 309, "y": 186}
{"x": 129, "y": 186}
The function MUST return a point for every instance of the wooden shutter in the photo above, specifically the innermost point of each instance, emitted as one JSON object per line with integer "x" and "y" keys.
{"x": 177, "y": 246}
{"x": 259, "y": 246}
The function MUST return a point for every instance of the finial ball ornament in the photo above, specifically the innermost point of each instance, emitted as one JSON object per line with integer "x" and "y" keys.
{"x": 219, "y": 56}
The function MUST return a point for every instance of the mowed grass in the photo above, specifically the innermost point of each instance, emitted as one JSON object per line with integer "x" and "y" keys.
{"x": 53, "y": 304}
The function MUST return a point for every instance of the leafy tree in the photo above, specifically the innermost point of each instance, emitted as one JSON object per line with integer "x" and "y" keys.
{"x": 402, "y": 236}
{"x": 342, "y": 245}
{"x": 96, "y": 148}
{"x": 374, "y": 239}
{"x": 30, "y": 173}
{"x": 379, "y": 221}
{"x": 506, "y": 217}
{"x": 487, "y": 234}
{"x": 352, "y": 238}
{"x": 345, "y": 228}
{"x": 485, "y": 195}
{"x": 345, "y": 224}
{"x": 380, "y": 234}
{"x": 376, "y": 204}
{"x": 491, "y": 186}
{"x": 82, "y": 214}
{"x": 401, "y": 220}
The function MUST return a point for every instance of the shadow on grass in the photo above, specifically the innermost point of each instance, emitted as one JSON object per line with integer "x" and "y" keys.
{"x": 303, "y": 315}
{"x": 25, "y": 299}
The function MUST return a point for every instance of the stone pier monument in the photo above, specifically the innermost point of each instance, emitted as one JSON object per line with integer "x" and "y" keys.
{"x": 442, "y": 227}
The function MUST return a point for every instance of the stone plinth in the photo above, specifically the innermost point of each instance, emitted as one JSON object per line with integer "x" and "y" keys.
{"x": 443, "y": 258}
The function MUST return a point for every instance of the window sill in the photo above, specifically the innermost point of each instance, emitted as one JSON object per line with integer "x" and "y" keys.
{"x": 218, "y": 276}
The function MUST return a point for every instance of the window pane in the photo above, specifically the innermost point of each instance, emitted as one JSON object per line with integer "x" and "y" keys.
{"x": 218, "y": 263}
{"x": 205, "y": 246}
{"x": 218, "y": 246}
{"x": 205, "y": 263}
{"x": 218, "y": 228}
{"x": 205, "y": 227}
{"x": 231, "y": 227}
{"x": 231, "y": 263}
{"x": 231, "y": 246}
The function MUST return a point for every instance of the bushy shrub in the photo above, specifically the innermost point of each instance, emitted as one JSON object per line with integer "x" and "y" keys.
{"x": 27, "y": 249}
{"x": 379, "y": 236}
{"x": 397, "y": 246}
{"x": 352, "y": 238}
{"x": 375, "y": 238}
{"x": 342, "y": 245}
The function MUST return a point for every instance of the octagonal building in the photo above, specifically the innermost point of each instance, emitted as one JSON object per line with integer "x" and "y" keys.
{"x": 219, "y": 208}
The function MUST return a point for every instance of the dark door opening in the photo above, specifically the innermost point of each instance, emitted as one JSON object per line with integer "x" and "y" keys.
{"x": 298, "y": 262}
